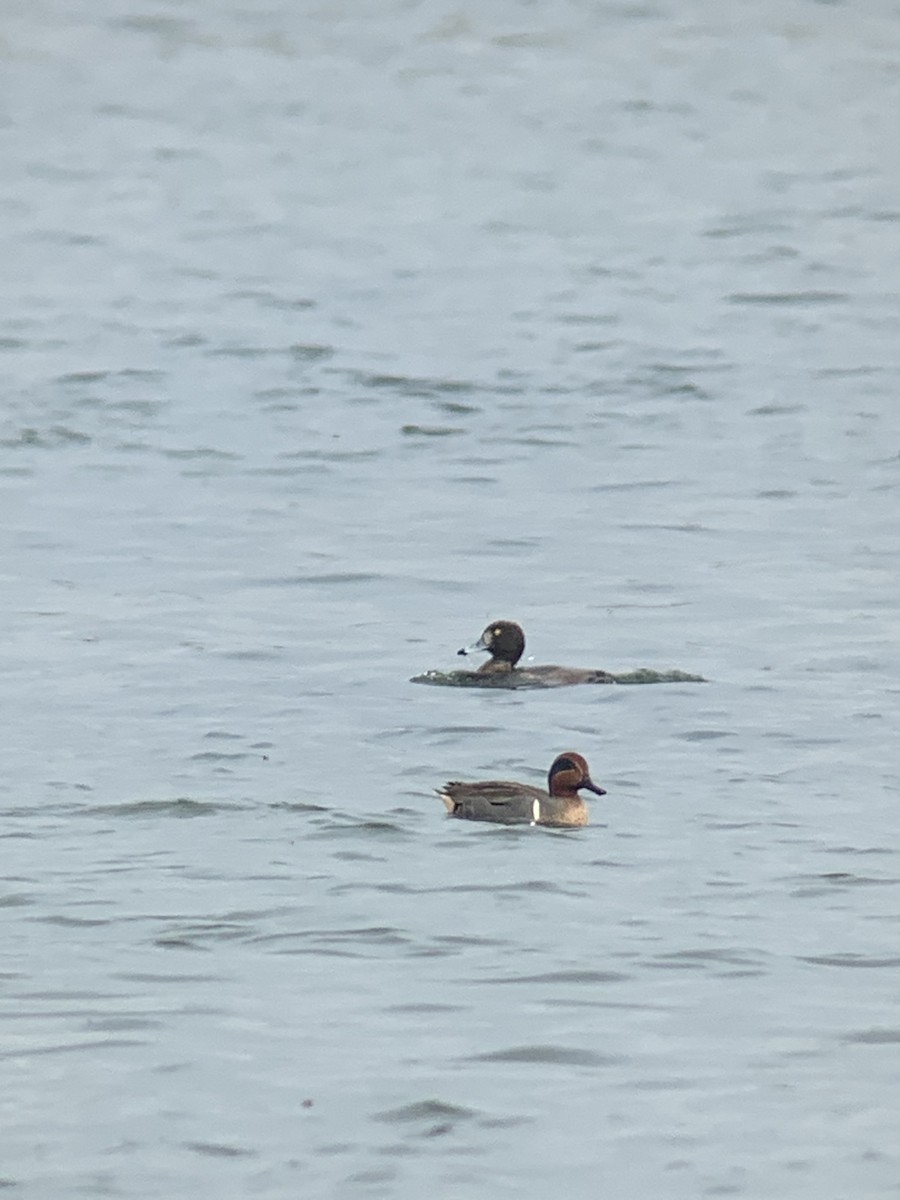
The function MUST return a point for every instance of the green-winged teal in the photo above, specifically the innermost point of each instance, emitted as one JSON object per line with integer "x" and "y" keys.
{"x": 509, "y": 803}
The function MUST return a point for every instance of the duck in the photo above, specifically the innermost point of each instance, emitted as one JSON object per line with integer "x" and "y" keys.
{"x": 505, "y": 643}
{"x": 508, "y": 803}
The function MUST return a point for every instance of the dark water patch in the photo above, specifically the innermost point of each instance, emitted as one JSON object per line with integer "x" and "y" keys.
{"x": 701, "y": 960}
{"x": 776, "y": 410}
{"x": 873, "y": 1037}
{"x": 332, "y": 1148}
{"x": 552, "y": 977}
{"x": 812, "y": 886}
{"x": 425, "y": 1110}
{"x": 454, "y": 408}
{"x": 589, "y": 319}
{"x": 855, "y": 961}
{"x": 199, "y": 931}
{"x": 64, "y": 237}
{"x": 742, "y": 224}
{"x": 682, "y": 527}
{"x": 218, "y": 756}
{"x": 182, "y": 807}
{"x": 282, "y": 303}
{"x": 310, "y": 352}
{"x": 418, "y": 731}
{"x": 219, "y": 1150}
{"x": 636, "y": 485}
{"x": 786, "y": 299}
{"x": 509, "y": 543}
{"x": 683, "y": 390}
{"x": 190, "y": 341}
{"x": 430, "y": 431}
{"x": 725, "y": 826}
{"x": 69, "y": 995}
{"x": 488, "y": 829}
{"x": 805, "y": 743}
{"x": 355, "y": 856}
{"x": 189, "y": 453}
{"x": 66, "y": 921}
{"x": 71, "y": 1048}
{"x": 15, "y": 900}
{"x": 249, "y": 655}
{"x": 591, "y": 347}
{"x": 421, "y": 387}
{"x": 369, "y": 942}
{"x": 245, "y": 352}
{"x": 333, "y": 579}
{"x": 83, "y": 377}
{"x": 544, "y": 1055}
{"x": 469, "y": 939}
{"x": 528, "y": 40}
{"x": 853, "y": 663}
{"x": 380, "y": 1175}
{"x": 527, "y": 886}
{"x": 197, "y": 935}
{"x": 659, "y": 1085}
{"x": 536, "y": 440}
{"x": 49, "y": 439}
{"x": 144, "y": 409}
{"x": 387, "y": 888}
{"x": 177, "y": 977}
{"x": 343, "y": 825}
{"x": 424, "y": 1008}
{"x": 120, "y": 1024}
{"x": 704, "y": 735}
{"x": 299, "y": 806}
{"x": 49, "y": 810}
{"x": 127, "y": 374}
{"x": 845, "y": 372}
{"x": 172, "y": 28}
{"x": 285, "y": 399}
{"x": 860, "y": 850}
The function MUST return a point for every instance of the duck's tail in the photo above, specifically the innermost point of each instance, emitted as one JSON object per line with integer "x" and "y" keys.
{"x": 451, "y": 804}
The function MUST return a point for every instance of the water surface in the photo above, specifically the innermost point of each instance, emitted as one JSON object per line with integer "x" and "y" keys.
{"x": 327, "y": 335}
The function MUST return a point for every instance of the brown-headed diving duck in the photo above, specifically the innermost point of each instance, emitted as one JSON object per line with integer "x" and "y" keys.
{"x": 505, "y": 643}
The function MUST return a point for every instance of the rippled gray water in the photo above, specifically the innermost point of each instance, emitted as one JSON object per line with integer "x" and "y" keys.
{"x": 329, "y": 333}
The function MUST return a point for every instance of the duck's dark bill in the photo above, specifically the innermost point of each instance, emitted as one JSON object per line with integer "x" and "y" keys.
{"x": 475, "y": 646}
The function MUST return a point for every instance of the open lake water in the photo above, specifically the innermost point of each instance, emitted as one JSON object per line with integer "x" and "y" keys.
{"x": 328, "y": 333}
